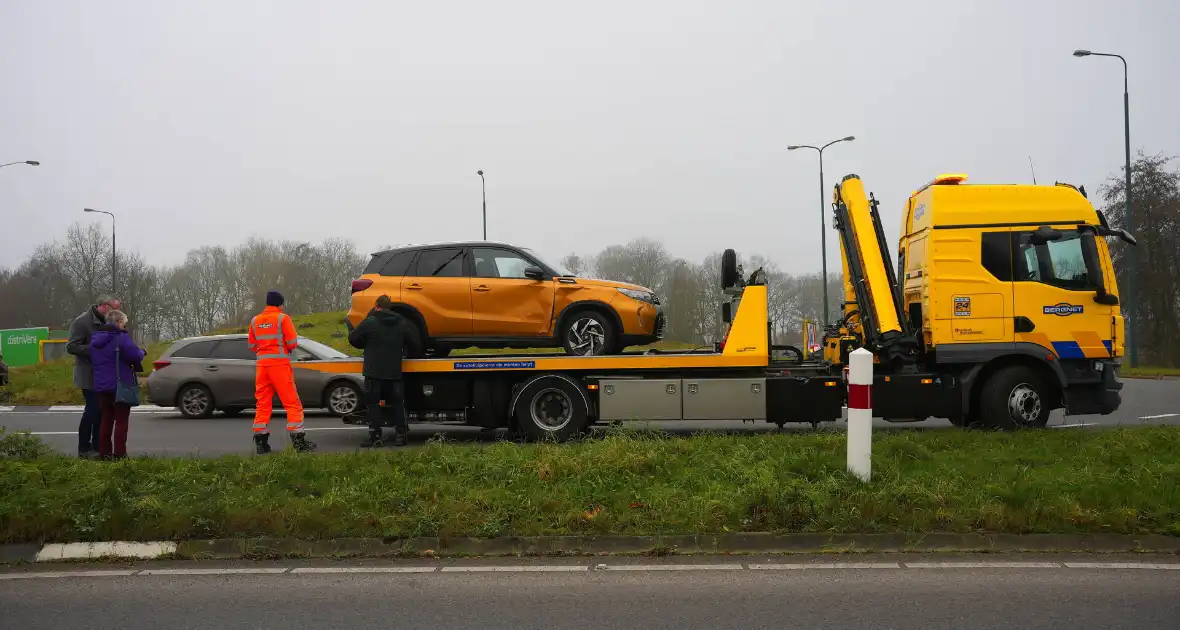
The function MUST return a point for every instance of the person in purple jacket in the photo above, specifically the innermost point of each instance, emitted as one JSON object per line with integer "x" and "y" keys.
{"x": 111, "y": 336}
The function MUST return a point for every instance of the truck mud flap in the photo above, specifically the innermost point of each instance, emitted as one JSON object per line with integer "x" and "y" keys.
{"x": 811, "y": 399}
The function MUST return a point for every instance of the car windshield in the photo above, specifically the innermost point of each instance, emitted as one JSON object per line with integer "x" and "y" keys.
{"x": 320, "y": 350}
{"x": 561, "y": 271}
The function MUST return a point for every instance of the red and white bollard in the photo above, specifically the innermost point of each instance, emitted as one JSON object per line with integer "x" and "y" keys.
{"x": 860, "y": 413}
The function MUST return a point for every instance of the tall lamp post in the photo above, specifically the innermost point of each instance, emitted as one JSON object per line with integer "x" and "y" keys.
{"x": 1132, "y": 311}
{"x": 483, "y": 184}
{"x": 29, "y": 162}
{"x": 114, "y": 288}
{"x": 823, "y": 209}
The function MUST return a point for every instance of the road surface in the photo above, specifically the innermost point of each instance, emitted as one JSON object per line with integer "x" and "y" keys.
{"x": 169, "y": 434}
{"x": 714, "y": 595}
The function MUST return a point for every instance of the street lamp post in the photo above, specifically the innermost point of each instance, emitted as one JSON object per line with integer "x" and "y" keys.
{"x": 1132, "y": 311}
{"x": 483, "y": 184}
{"x": 823, "y": 208}
{"x": 114, "y": 288}
{"x": 29, "y": 162}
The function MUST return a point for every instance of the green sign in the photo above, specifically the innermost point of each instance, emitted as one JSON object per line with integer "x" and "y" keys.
{"x": 21, "y": 346}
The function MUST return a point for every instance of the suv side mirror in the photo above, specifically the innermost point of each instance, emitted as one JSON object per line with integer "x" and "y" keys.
{"x": 533, "y": 272}
{"x": 1045, "y": 234}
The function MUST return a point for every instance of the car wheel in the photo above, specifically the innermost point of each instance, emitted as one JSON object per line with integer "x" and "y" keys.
{"x": 342, "y": 398}
{"x": 1015, "y": 398}
{"x": 232, "y": 412}
{"x": 417, "y": 345}
{"x": 588, "y": 334}
{"x": 195, "y": 401}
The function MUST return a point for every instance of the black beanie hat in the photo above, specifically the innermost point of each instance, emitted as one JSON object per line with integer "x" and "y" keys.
{"x": 274, "y": 298}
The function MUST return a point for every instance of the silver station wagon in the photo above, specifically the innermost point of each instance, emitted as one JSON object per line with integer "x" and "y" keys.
{"x": 199, "y": 375}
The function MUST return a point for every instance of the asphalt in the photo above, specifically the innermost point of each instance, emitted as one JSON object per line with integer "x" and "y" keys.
{"x": 168, "y": 434}
{"x": 919, "y": 593}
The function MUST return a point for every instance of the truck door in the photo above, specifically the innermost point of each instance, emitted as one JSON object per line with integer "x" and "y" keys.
{"x": 1054, "y": 292}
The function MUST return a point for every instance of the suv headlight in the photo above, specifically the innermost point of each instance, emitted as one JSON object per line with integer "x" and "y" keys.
{"x": 642, "y": 296}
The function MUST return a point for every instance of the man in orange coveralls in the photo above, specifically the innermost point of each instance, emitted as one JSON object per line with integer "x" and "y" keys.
{"x": 272, "y": 338}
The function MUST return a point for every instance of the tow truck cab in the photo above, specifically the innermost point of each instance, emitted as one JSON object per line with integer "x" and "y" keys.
{"x": 1001, "y": 275}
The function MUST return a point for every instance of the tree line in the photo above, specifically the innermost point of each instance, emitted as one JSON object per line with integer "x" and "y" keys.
{"x": 217, "y": 286}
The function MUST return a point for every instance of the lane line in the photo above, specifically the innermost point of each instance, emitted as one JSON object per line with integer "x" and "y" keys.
{"x": 802, "y": 566}
{"x": 239, "y": 571}
{"x": 64, "y": 574}
{"x": 553, "y": 568}
{"x": 356, "y": 428}
{"x": 1162, "y": 415}
{"x": 1124, "y": 565}
{"x": 364, "y": 570}
{"x": 983, "y": 565}
{"x": 60, "y": 408}
{"x": 53, "y": 432}
{"x": 1075, "y": 426}
{"x": 672, "y": 567}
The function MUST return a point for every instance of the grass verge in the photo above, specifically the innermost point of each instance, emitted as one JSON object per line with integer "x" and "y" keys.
{"x": 52, "y": 383}
{"x": 1053, "y": 481}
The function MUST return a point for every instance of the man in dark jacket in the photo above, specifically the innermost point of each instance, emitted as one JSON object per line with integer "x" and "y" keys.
{"x": 383, "y": 336}
{"x": 78, "y": 345}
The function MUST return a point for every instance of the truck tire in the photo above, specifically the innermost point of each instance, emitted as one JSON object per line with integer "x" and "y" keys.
{"x": 729, "y": 273}
{"x": 1015, "y": 397}
{"x": 550, "y": 407}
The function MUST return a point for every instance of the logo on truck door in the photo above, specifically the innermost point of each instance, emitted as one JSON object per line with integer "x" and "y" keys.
{"x": 1064, "y": 309}
{"x": 962, "y": 306}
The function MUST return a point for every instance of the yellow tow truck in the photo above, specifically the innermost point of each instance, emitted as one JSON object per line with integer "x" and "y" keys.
{"x": 1002, "y": 307}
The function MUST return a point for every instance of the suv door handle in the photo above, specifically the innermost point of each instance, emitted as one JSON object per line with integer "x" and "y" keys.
{"x": 415, "y": 287}
{"x": 482, "y": 288}
{"x": 211, "y": 368}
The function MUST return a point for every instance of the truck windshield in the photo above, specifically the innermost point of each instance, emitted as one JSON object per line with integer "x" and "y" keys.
{"x": 1060, "y": 263}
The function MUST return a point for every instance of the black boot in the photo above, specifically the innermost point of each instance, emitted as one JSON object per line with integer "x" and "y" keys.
{"x": 301, "y": 443}
{"x": 261, "y": 443}
{"x": 400, "y": 438}
{"x": 374, "y": 440}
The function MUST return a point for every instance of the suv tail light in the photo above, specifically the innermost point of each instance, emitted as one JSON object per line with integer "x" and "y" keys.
{"x": 361, "y": 285}
{"x": 161, "y": 364}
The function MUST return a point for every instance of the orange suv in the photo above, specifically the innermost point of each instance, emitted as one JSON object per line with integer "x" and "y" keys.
{"x": 494, "y": 295}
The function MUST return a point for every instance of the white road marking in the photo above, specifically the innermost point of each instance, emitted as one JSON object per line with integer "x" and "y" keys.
{"x": 983, "y": 565}
{"x": 67, "y": 408}
{"x": 516, "y": 569}
{"x": 1123, "y": 565}
{"x": 116, "y": 549}
{"x": 364, "y": 570}
{"x": 823, "y": 565}
{"x": 6, "y": 408}
{"x": 1162, "y": 415}
{"x": 1074, "y": 426}
{"x": 673, "y": 567}
{"x": 53, "y": 433}
{"x": 356, "y": 428}
{"x": 64, "y": 574}
{"x": 239, "y": 571}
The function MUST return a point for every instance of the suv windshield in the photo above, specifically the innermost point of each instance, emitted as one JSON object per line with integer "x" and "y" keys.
{"x": 561, "y": 271}
{"x": 321, "y": 350}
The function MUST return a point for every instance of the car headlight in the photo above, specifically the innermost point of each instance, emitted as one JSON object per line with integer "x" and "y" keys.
{"x": 642, "y": 296}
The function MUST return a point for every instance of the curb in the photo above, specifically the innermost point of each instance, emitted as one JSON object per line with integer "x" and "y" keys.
{"x": 752, "y": 543}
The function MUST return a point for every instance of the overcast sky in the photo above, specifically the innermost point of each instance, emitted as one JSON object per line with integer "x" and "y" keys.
{"x": 205, "y": 123}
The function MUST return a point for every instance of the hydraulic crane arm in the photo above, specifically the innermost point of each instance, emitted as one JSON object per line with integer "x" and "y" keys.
{"x": 867, "y": 261}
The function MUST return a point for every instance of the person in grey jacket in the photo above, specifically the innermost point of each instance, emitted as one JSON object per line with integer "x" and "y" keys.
{"x": 78, "y": 345}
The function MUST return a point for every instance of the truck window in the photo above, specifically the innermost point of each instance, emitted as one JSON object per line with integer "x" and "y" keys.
{"x": 1059, "y": 263}
{"x": 996, "y": 255}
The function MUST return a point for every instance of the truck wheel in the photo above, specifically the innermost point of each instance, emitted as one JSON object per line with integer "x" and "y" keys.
{"x": 588, "y": 334}
{"x": 1015, "y": 397}
{"x": 550, "y": 407}
{"x": 729, "y": 273}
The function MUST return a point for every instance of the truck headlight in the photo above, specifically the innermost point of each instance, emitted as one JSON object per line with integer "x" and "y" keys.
{"x": 642, "y": 296}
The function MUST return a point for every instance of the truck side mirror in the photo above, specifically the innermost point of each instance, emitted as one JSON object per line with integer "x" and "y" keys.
{"x": 1126, "y": 237}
